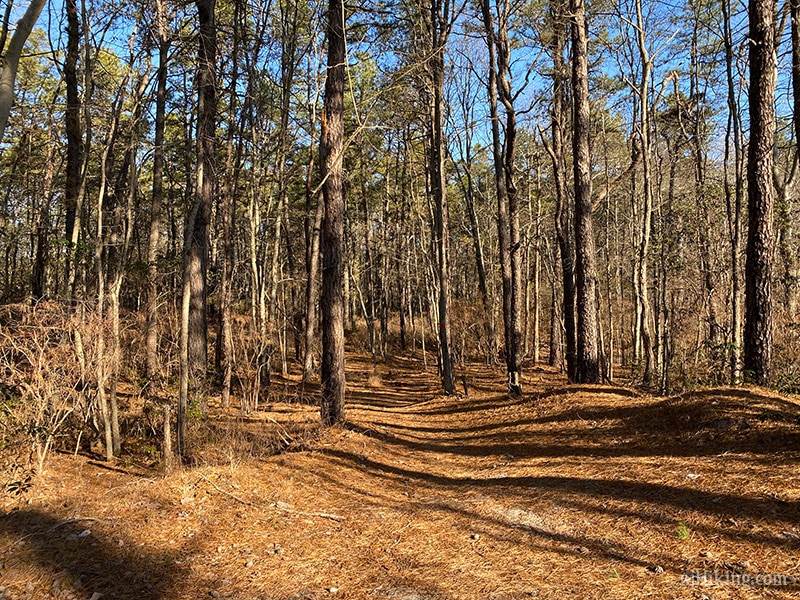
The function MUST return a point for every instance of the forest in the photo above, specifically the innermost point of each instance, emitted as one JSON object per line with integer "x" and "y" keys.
{"x": 436, "y": 253}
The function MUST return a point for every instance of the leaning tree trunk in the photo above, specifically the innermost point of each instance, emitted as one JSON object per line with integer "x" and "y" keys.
{"x": 9, "y": 61}
{"x": 760, "y": 194}
{"x": 333, "y": 242}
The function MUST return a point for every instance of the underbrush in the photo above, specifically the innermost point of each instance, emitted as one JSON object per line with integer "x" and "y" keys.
{"x": 49, "y": 389}
{"x": 49, "y": 395}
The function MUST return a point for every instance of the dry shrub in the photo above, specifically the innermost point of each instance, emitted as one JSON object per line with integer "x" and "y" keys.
{"x": 787, "y": 359}
{"x": 47, "y": 392}
{"x": 252, "y": 361}
{"x": 232, "y": 441}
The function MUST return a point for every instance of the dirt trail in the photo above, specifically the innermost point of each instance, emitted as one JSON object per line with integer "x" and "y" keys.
{"x": 570, "y": 492}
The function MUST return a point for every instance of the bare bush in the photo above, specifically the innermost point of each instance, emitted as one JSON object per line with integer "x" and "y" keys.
{"x": 44, "y": 381}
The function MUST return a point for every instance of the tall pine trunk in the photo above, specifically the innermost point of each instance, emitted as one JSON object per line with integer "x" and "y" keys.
{"x": 566, "y": 248}
{"x": 72, "y": 129}
{"x": 587, "y": 364}
{"x": 734, "y": 194}
{"x": 439, "y": 24}
{"x": 157, "y": 199}
{"x": 333, "y": 242}
{"x": 760, "y": 194}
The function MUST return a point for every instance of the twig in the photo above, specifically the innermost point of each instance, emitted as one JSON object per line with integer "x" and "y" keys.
{"x": 275, "y": 505}
{"x": 302, "y": 513}
{"x": 219, "y": 489}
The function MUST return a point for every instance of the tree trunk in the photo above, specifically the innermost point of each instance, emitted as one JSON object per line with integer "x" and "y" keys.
{"x": 42, "y": 227}
{"x": 554, "y": 356}
{"x": 760, "y": 194}
{"x": 205, "y": 190}
{"x": 157, "y": 199}
{"x": 733, "y": 197}
{"x": 312, "y": 290}
{"x": 558, "y": 153}
{"x": 790, "y": 258}
{"x": 587, "y": 365}
{"x": 643, "y": 251}
{"x": 194, "y": 327}
{"x": 111, "y": 428}
{"x": 503, "y": 150}
{"x": 72, "y": 129}
{"x": 333, "y": 242}
{"x": 439, "y": 24}
{"x": 9, "y": 61}
{"x": 224, "y": 358}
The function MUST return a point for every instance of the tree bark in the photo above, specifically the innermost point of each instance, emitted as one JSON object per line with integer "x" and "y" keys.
{"x": 790, "y": 252}
{"x": 733, "y": 197}
{"x": 439, "y": 24}
{"x": 194, "y": 327}
{"x": 503, "y": 151}
{"x": 331, "y": 149}
{"x": 205, "y": 190}
{"x": 312, "y": 290}
{"x": 9, "y": 61}
{"x": 224, "y": 354}
{"x": 587, "y": 365}
{"x": 760, "y": 194}
{"x": 72, "y": 129}
{"x": 157, "y": 199}
{"x": 566, "y": 249}
{"x": 643, "y": 250}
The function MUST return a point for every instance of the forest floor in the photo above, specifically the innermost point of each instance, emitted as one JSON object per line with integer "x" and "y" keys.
{"x": 569, "y": 492}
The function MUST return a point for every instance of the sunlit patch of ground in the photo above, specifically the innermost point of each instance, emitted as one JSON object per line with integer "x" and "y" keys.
{"x": 569, "y": 492}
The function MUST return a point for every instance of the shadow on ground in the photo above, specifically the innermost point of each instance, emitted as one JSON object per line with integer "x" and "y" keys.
{"x": 84, "y": 558}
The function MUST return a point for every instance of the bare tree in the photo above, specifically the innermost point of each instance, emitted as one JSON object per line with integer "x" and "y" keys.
{"x": 496, "y": 22}
{"x": 193, "y": 342}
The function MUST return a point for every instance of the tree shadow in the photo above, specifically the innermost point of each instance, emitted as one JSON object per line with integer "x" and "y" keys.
{"x": 705, "y": 423}
{"x": 513, "y": 511}
{"x": 577, "y": 492}
{"x": 612, "y": 442}
{"x": 83, "y": 558}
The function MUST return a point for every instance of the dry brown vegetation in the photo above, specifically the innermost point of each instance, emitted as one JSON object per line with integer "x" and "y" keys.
{"x": 570, "y": 492}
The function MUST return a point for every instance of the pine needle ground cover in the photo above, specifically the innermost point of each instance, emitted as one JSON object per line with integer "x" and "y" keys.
{"x": 569, "y": 492}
